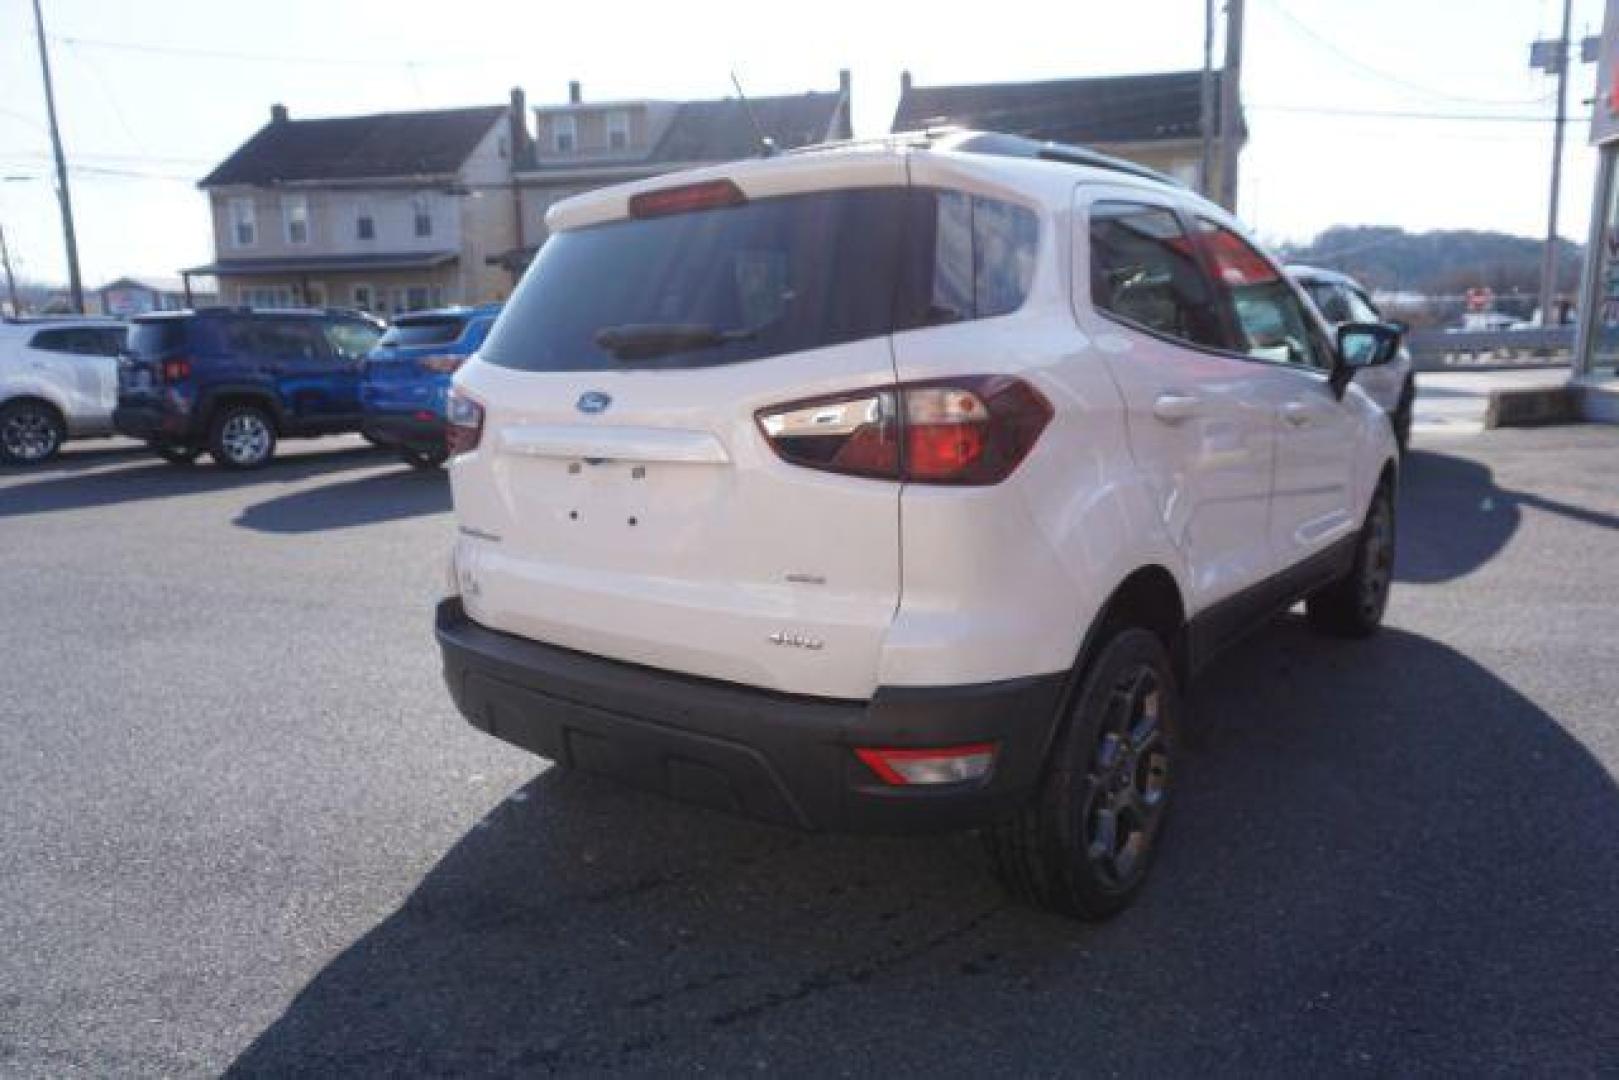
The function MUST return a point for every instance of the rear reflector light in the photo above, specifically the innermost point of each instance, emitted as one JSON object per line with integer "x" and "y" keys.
{"x": 939, "y": 765}
{"x": 444, "y": 365}
{"x": 680, "y": 200}
{"x": 177, "y": 370}
{"x": 465, "y": 423}
{"x": 970, "y": 430}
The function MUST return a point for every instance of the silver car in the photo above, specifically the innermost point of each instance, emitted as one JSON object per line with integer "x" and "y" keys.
{"x": 58, "y": 381}
{"x": 1342, "y": 299}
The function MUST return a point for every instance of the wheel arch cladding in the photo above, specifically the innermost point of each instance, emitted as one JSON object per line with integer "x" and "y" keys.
{"x": 220, "y": 400}
{"x": 36, "y": 399}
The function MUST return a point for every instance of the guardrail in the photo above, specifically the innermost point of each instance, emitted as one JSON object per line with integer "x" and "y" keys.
{"x": 1491, "y": 350}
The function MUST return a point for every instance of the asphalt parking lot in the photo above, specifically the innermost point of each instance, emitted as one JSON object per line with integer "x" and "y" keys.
{"x": 245, "y": 831}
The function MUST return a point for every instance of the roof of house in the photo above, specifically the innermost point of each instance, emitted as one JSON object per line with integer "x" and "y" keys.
{"x": 723, "y": 131}
{"x": 358, "y": 147}
{"x": 1111, "y": 109}
{"x": 363, "y": 261}
{"x": 145, "y": 281}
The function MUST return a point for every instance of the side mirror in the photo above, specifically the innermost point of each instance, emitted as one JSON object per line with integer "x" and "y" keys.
{"x": 1361, "y": 346}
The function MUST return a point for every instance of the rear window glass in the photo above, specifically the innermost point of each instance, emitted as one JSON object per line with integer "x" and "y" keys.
{"x": 156, "y": 337}
{"x": 763, "y": 278}
{"x": 438, "y": 330}
{"x": 1144, "y": 271}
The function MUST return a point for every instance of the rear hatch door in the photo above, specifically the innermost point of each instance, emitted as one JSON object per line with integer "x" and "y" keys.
{"x": 623, "y": 500}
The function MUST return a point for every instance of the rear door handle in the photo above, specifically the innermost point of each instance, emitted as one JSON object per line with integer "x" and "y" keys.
{"x": 1172, "y": 408}
{"x": 1296, "y": 413}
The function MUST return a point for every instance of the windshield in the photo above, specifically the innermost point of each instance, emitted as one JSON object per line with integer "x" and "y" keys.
{"x": 431, "y": 330}
{"x": 739, "y": 283}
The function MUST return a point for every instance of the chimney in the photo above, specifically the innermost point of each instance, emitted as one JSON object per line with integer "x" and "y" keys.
{"x": 278, "y": 114}
{"x": 575, "y": 93}
{"x": 843, "y": 82}
{"x": 905, "y": 82}
{"x": 521, "y": 142}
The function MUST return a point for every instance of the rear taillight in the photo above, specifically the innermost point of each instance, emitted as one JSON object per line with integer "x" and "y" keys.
{"x": 465, "y": 423}
{"x": 972, "y": 429}
{"x": 173, "y": 371}
{"x": 444, "y": 365}
{"x": 938, "y": 765}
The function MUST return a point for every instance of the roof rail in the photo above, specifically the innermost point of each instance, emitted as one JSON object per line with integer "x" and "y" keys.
{"x": 1000, "y": 145}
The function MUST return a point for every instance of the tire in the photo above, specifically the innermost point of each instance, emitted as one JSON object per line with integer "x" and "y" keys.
{"x": 31, "y": 432}
{"x": 176, "y": 455}
{"x": 242, "y": 437}
{"x": 1084, "y": 844}
{"x": 422, "y": 459}
{"x": 1401, "y": 418}
{"x": 1353, "y": 605}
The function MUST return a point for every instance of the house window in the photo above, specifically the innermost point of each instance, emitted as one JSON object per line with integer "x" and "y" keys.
{"x": 265, "y": 296}
{"x": 564, "y": 133}
{"x": 423, "y": 214}
{"x": 295, "y": 213}
{"x": 365, "y": 224}
{"x": 618, "y": 130}
{"x": 244, "y": 228}
{"x": 363, "y": 297}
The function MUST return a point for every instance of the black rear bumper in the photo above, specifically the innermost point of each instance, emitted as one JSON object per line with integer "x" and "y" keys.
{"x": 406, "y": 431}
{"x": 776, "y": 757}
{"x": 151, "y": 423}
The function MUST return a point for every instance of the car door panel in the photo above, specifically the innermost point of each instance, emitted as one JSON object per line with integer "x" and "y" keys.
{"x": 1202, "y": 438}
{"x": 1292, "y": 353}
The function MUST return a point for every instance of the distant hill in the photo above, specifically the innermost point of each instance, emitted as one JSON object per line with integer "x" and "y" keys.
{"x": 1445, "y": 263}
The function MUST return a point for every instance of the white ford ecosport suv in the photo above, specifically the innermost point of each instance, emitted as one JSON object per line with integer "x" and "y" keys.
{"x": 903, "y": 485}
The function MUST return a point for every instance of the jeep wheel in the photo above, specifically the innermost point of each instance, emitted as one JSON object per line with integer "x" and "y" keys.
{"x": 176, "y": 455}
{"x": 422, "y": 459}
{"x": 1353, "y": 605}
{"x": 1083, "y": 846}
{"x": 242, "y": 437}
{"x": 31, "y": 432}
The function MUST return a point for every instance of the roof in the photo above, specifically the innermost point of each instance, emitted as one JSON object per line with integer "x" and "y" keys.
{"x": 358, "y": 147}
{"x": 1317, "y": 275}
{"x": 723, "y": 130}
{"x": 399, "y": 260}
{"x": 1112, "y": 109}
{"x": 149, "y": 282}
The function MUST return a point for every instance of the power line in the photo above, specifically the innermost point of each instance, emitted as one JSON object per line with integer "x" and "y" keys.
{"x": 1306, "y": 30}
{"x": 267, "y": 58}
{"x": 1406, "y": 114}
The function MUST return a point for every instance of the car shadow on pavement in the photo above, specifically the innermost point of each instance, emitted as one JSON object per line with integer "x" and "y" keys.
{"x": 1383, "y": 859}
{"x": 365, "y": 501}
{"x": 151, "y": 478}
{"x": 78, "y": 456}
{"x": 1454, "y": 518}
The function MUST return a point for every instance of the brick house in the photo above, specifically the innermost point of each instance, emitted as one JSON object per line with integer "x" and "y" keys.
{"x": 387, "y": 213}
{"x": 1154, "y": 120}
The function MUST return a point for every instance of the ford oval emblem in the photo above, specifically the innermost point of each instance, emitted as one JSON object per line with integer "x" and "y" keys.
{"x": 594, "y": 401}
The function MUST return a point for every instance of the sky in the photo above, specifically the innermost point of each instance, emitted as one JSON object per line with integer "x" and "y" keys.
{"x": 1422, "y": 114}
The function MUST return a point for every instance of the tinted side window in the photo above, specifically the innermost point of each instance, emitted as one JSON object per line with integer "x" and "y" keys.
{"x": 273, "y": 339}
{"x": 54, "y": 340}
{"x": 1144, "y": 271}
{"x": 1269, "y": 314}
{"x": 983, "y": 254}
{"x": 351, "y": 340}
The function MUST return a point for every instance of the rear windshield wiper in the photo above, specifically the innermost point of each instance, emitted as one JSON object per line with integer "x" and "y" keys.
{"x": 642, "y": 341}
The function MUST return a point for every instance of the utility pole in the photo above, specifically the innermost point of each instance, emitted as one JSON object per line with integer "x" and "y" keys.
{"x": 63, "y": 195}
{"x": 11, "y": 282}
{"x": 1205, "y": 172}
{"x": 1230, "y": 105}
{"x": 1561, "y": 56}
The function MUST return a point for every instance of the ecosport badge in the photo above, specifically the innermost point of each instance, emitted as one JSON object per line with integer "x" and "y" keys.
{"x": 593, "y": 401}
